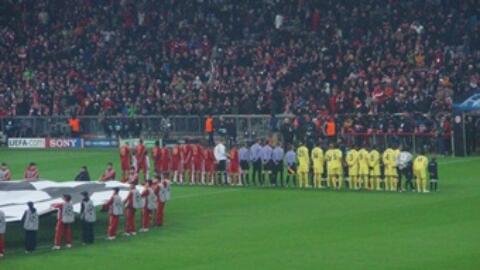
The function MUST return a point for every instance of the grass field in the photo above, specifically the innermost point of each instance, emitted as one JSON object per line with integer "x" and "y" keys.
{"x": 254, "y": 228}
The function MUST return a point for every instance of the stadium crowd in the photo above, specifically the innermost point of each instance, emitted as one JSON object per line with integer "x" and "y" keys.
{"x": 223, "y": 56}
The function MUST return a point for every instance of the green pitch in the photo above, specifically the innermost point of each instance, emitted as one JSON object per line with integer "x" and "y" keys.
{"x": 253, "y": 228}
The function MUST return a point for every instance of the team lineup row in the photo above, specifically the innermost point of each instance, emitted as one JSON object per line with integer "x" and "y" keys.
{"x": 269, "y": 164}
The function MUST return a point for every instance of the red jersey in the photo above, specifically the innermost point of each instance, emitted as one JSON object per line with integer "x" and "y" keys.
{"x": 165, "y": 154}
{"x": 234, "y": 161}
{"x": 31, "y": 173}
{"x": 197, "y": 156}
{"x": 157, "y": 158}
{"x": 133, "y": 178}
{"x": 187, "y": 156}
{"x": 176, "y": 157}
{"x": 125, "y": 158}
{"x": 5, "y": 175}
{"x": 156, "y": 191}
{"x": 129, "y": 200}
{"x": 108, "y": 175}
{"x": 209, "y": 160}
{"x": 140, "y": 153}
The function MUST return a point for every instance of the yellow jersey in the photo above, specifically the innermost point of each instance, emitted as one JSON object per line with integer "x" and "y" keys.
{"x": 352, "y": 162}
{"x": 374, "y": 162}
{"x": 317, "y": 158}
{"x": 420, "y": 164}
{"x": 352, "y": 158}
{"x": 334, "y": 158}
{"x": 303, "y": 159}
{"x": 388, "y": 158}
{"x": 363, "y": 161}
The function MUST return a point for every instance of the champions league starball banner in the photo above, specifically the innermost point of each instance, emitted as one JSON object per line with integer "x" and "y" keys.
{"x": 14, "y": 195}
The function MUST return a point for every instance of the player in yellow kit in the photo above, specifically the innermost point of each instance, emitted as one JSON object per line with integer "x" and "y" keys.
{"x": 352, "y": 162}
{"x": 317, "y": 161}
{"x": 333, "y": 157}
{"x": 390, "y": 165}
{"x": 420, "y": 164}
{"x": 363, "y": 167}
{"x": 303, "y": 165}
{"x": 374, "y": 164}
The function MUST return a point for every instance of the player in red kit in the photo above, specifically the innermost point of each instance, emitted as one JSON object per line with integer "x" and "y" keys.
{"x": 140, "y": 157}
{"x": 109, "y": 174}
{"x": 31, "y": 172}
{"x": 187, "y": 161}
{"x": 209, "y": 166}
{"x": 234, "y": 167}
{"x": 132, "y": 176}
{"x": 157, "y": 158}
{"x": 65, "y": 218}
{"x": 132, "y": 203}
{"x": 165, "y": 168}
{"x": 150, "y": 205}
{"x": 162, "y": 191}
{"x": 125, "y": 161}
{"x": 197, "y": 157}
{"x": 176, "y": 159}
{"x": 115, "y": 210}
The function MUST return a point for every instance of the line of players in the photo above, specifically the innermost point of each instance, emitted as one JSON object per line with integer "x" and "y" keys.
{"x": 264, "y": 163}
{"x": 176, "y": 163}
{"x": 366, "y": 168}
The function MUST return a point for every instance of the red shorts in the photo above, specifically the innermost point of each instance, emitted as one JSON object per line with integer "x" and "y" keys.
{"x": 197, "y": 166}
{"x": 175, "y": 166}
{"x": 209, "y": 167}
{"x": 125, "y": 164}
{"x": 164, "y": 167}
{"x": 142, "y": 166}
{"x": 158, "y": 166}
{"x": 234, "y": 168}
{"x": 187, "y": 166}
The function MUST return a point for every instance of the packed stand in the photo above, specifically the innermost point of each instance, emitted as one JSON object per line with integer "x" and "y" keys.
{"x": 222, "y": 57}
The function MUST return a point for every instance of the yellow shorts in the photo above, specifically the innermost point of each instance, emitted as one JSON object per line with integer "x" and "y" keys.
{"x": 302, "y": 169}
{"x": 420, "y": 174}
{"x": 375, "y": 171}
{"x": 334, "y": 171}
{"x": 353, "y": 171}
{"x": 391, "y": 171}
{"x": 318, "y": 169}
{"x": 363, "y": 170}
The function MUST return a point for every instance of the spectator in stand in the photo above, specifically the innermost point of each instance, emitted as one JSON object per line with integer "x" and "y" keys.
{"x": 287, "y": 131}
{"x": 74, "y": 124}
{"x": 31, "y": 172}
{"x": 83, "y": 175}
{"x": 209, "y": 130}
{"x": 5, "y": 174}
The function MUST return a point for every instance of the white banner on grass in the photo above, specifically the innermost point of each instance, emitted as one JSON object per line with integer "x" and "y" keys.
{"x": 14, "y": 195}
